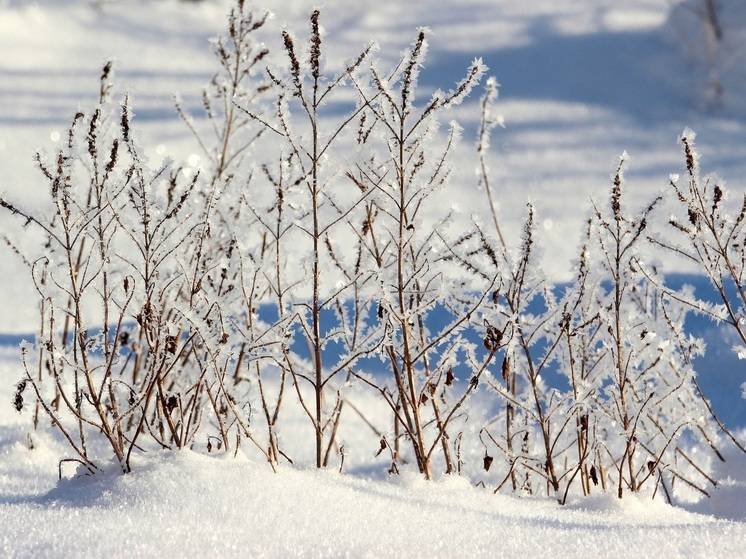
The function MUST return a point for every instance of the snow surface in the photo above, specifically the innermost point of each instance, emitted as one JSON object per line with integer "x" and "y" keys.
{"x": 184, "y": 504}
{"x": 187, "y": 504}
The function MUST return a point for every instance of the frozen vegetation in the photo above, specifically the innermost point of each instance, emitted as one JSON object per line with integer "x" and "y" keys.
{"x": 292, "y": 292}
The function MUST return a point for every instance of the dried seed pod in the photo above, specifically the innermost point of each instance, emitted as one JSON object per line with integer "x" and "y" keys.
{"x": 450, "y": 377}
{"x": 18, "y": 396}
{"x": 594, "y": 476}
{"x": 487, "y": 462}
{"x": 717, "y": 196}
{"x": 493, "y": 337}
{"x": 171, "y": 344}
{"x": 294, "y": 64}
{"x": 315, "y": 49}
{"x": 693, "y": 216}
{"x": 506, "y": 368}
{"x": 171, "y": 403}
{"x": 382, "y": 447}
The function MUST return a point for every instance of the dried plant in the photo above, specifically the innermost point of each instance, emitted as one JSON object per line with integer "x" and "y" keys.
{"x": 711, "y": 234}
{"x": 131, "y": 344}
{"x": 238, "y": 57}
{"x": 630, "y": 399}
{"x": 304, "y": 186}
{"x": 651, "y": 399}
{"x": 175, "y": 302}
{"x": 399, "y": 243}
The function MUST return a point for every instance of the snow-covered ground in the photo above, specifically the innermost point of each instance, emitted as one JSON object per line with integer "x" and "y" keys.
{"x": 185, "y": 504}
{"x": 581, "y": 82}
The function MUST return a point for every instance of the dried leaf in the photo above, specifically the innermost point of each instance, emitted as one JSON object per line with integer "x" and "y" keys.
{"x": 506, "y": 368}
{"x": 594, "y": 476}
{"x": 171, "y": 344}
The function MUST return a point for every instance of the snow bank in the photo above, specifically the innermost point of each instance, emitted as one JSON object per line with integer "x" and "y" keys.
{"x": 185, "y": 504}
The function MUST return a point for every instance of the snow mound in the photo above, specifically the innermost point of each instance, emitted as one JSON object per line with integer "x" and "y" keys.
{"x": 185, "y": 504}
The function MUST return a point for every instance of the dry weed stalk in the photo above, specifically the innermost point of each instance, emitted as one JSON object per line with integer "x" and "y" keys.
{"x": 398, "y": 242}
{"x": 309, "y": 142}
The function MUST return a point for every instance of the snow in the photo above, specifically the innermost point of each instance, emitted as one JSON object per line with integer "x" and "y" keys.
{"x": 184, "y": 504}
{"x": 190, "y": 504}
{"x": 728, "y": 500}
